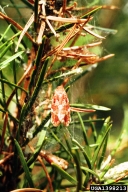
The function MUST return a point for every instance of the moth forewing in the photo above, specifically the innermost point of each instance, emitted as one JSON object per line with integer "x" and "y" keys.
{"x": 60, "y": 107}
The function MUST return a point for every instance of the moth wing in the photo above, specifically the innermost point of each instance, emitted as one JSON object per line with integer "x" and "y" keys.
{"x": 55, "y": 120}
{"x": 67, "y": 118}
{"x": 60, "y": 108}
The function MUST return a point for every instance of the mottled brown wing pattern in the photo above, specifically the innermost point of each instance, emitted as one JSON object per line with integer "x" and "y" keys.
{"x": 60, "y": 107}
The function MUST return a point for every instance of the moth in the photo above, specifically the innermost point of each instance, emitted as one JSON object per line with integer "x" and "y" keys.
{"x": 60, "y": 108}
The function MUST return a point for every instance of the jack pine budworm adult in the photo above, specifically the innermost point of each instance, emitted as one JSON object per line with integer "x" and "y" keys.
{"x": 60, "y": 107}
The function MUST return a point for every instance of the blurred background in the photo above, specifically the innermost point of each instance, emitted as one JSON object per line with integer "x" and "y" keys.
{"x": 107, "y": 84}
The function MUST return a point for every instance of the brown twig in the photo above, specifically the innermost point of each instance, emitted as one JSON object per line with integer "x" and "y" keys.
{"x": 3, "y": 131}
{"x": 44, "y": 168}
{"x": 8, "y": 19}
{"x": 6, "y": 158}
